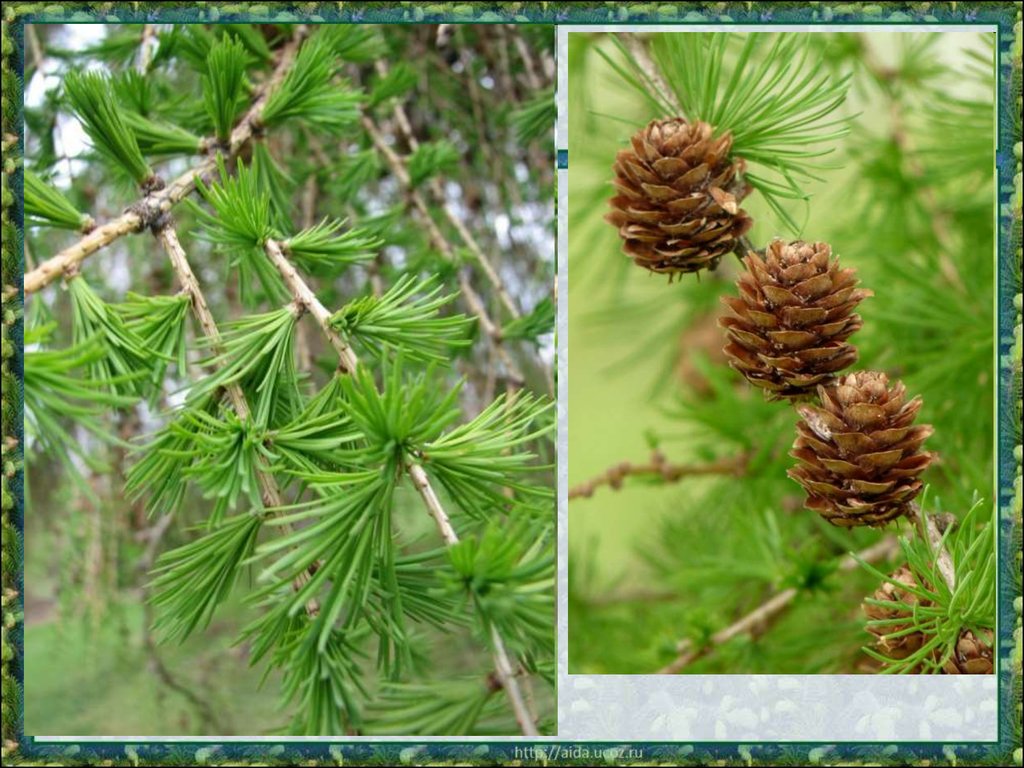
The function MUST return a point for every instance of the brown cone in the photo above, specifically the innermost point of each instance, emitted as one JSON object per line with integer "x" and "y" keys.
{"x": 902, "y": 603}
{"x": 789, "y": 325}
{"x": 677, "y": 206}
{"x": 859, "y": 454}
{"x": 972, "y": 655}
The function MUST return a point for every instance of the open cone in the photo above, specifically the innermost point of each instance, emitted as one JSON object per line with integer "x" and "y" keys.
{"x": 678, "y": 195}
{"x": 859, "y": 454}
{"x": 789, "y": 326}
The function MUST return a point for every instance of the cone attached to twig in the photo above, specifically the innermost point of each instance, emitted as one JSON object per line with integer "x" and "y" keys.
{"x": 859, "y": 454}
{"x": 678, "y": 195}
{"x": 894, "y": 603}
{"x": 789, "y": 326}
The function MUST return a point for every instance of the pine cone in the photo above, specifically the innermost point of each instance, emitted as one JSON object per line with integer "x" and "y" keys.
{"x": 972, "y": 655}
{"x": 792, "y": 318}
{"x": 859, "y": 455}
{"x": 895, "y": 647}
{"x": 677, "y": 207}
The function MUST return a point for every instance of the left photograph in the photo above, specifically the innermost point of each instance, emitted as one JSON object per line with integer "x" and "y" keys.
{"x": 289, "y": 340}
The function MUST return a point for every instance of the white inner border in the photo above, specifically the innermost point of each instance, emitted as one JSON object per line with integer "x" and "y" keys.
{"x": 825, "y": 708}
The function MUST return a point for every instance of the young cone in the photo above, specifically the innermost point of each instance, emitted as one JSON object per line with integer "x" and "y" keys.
{"x": 789, "y": 325}
{"x": 677, "y": 207}
{"x": 859, "y": 454}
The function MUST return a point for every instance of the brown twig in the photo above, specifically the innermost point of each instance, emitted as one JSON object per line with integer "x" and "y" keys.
{"x": 757, "y": 621}
{"x": 658, "y": 467}
{"x": 148, "y": 210}
{"x": 305, "y": 297}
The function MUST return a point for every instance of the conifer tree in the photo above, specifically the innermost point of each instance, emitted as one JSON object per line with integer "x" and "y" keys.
{"x": 820, "y": 163}
{"x": 314, "y": 352}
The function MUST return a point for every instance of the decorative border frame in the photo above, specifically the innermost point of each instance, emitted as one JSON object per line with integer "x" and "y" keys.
{"x": 17, "y": 748}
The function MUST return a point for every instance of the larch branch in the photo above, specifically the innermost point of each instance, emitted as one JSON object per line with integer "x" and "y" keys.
{"x": 433, "y": 504}
{"x": 148, "y": 210}
{"x": 308, "y": 300}
{"x": 503, "y": 668}
{"x": 473, "y": 299}
{"x": 305, "y": 296}
{"x": 469, "y": 293}
{"x": 402, "y": 119}
{"x": 269, "y": 489}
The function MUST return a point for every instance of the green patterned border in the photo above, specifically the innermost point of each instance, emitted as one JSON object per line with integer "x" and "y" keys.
{"x": 21, "y": 749}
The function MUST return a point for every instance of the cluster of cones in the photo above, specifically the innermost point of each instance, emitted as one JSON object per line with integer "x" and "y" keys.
{"x": 676, "y": 208}
{"x": 859, "y": 454}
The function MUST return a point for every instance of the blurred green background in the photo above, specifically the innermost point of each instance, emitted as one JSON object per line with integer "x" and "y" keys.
{"x": 906, "y": 199}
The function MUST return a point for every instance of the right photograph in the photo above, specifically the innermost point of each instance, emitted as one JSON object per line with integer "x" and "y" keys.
{"x": 782, "y": 374}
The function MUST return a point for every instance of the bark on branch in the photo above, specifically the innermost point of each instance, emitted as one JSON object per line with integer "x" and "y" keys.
{"x": 657, "y": 467}
{"x": 150, "y": 208}
{"x": 305, "y": 297}
{"x": 269, "y": 490}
